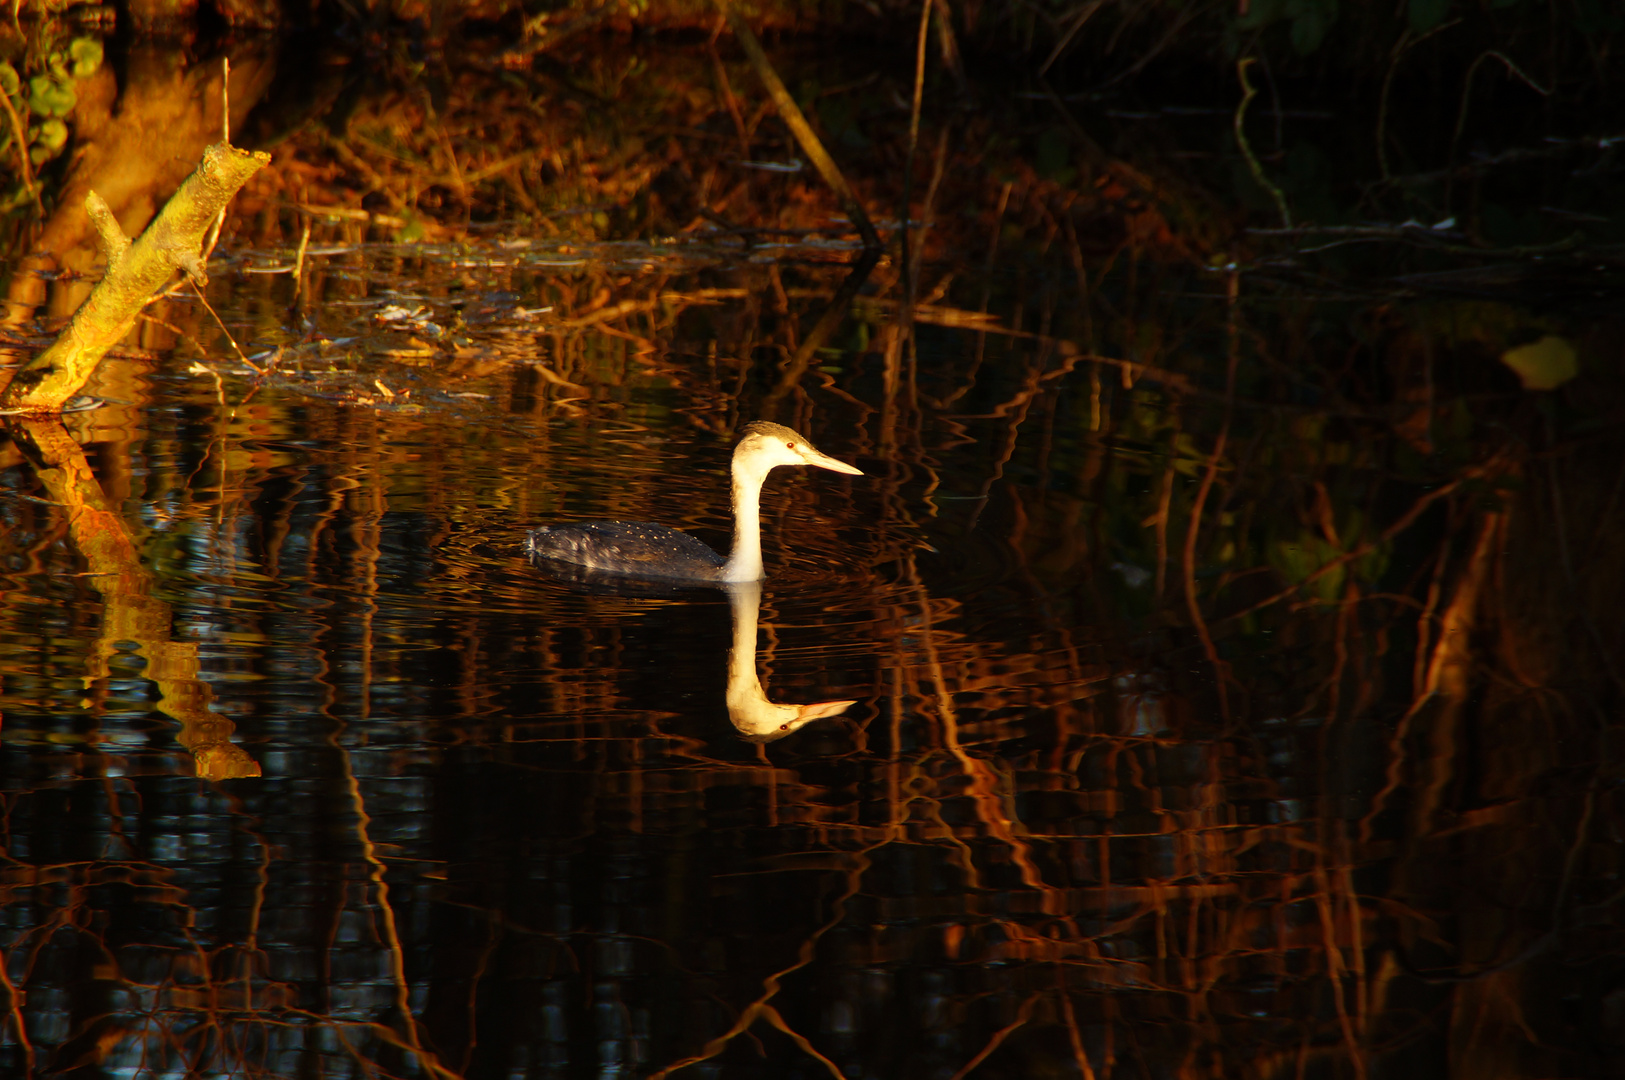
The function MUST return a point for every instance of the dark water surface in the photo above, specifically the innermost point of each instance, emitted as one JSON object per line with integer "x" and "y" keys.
{"x": 308, "y": 772}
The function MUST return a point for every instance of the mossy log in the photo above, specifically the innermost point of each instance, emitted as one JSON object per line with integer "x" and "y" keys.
{"x": 135, "y": 274}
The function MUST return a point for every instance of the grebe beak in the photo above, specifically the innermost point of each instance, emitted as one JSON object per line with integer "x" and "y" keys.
{"x": 824, "y": 461}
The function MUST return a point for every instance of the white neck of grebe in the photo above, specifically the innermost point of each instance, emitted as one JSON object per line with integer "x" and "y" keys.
{"x": 763, "y": 447}
{"x": 745, "y": 563}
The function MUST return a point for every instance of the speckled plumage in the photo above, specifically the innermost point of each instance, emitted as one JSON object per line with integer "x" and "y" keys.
{"x": 638, "y": 548}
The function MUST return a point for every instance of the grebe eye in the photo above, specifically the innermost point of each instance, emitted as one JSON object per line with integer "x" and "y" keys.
{"x": 789, "y": 446}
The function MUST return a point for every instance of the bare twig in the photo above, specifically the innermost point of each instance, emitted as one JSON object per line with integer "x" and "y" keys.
{"x": 909, "y": 278}
{"x": 1221, "y": 669}
{"x": 19, "y": 139}
{"x": 1405, "y": 521}
{"x": 1247, "y": 94}
{"x": 791, "y": 113}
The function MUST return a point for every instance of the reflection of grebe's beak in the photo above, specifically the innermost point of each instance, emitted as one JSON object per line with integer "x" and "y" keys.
{"x": 820, "y": 709}
{"x": 762, "y": 721}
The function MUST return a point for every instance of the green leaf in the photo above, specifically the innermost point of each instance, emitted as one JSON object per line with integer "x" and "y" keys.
{"x": 48, "y": 97}
{"x": 47, "y": 140}
{"x": 87, "y": 57}
{"x": 1261, "y": 13}
{"x": 1426, "y": 14}
{"x": 1054, "y": 158}
{"x": 1597, "y": 16}
{"x": 412, "y": 232}
{"x": 10, "y": 81}
{"x": 51, "y": 136}
{"x": 1297, "y": 558}
{"x": 1312, "y": 23}
{"x": 1373, "y": 564}
{"x": 1545, "y": 364}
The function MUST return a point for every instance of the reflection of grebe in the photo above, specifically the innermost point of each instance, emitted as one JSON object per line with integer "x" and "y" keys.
{"x": 639, "y": 549}
{"x": 757, "y": 718}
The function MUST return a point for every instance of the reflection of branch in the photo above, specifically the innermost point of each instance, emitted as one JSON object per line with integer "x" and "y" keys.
{"x": 1188, "y": 562}
{"x": 14, "y": 1000}
{"x": 1448, "y": 682}
{"x": 1079, "y": 1055}
{"x": 983, "y": 780}
{"x": 1336, "y": 968}
{"x": 837, "y": 311}
{"x": 390, "y": 934}
{"x": 1132, "y": 370}
{"x": 1022, "y": 1015}
{"x": 130, "y": 613}
{"x": 1360, "y": 551}
{"x": 760, "y": 1009}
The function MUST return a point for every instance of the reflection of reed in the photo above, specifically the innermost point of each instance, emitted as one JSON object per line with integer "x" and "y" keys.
{"x": 1063, "y": 836}
{"x": 130, "y": 612}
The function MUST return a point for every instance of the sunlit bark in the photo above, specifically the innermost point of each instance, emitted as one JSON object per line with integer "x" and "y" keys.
{"x": 133, "y": 144}
{"x": 135, "y": 273}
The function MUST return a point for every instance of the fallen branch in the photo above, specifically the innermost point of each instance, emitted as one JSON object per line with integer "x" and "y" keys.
{"x": 135, "y": 273}
{"x": 792, "y": 116}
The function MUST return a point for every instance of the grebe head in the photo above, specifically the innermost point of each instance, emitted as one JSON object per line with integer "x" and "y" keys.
{"x": 766, "y": 446}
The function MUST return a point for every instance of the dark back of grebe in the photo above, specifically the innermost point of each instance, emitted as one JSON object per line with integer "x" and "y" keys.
{"x": 633, "y": 548}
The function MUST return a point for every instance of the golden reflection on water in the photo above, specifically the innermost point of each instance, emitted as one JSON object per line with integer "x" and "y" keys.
{"x": 484, "y": 822}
